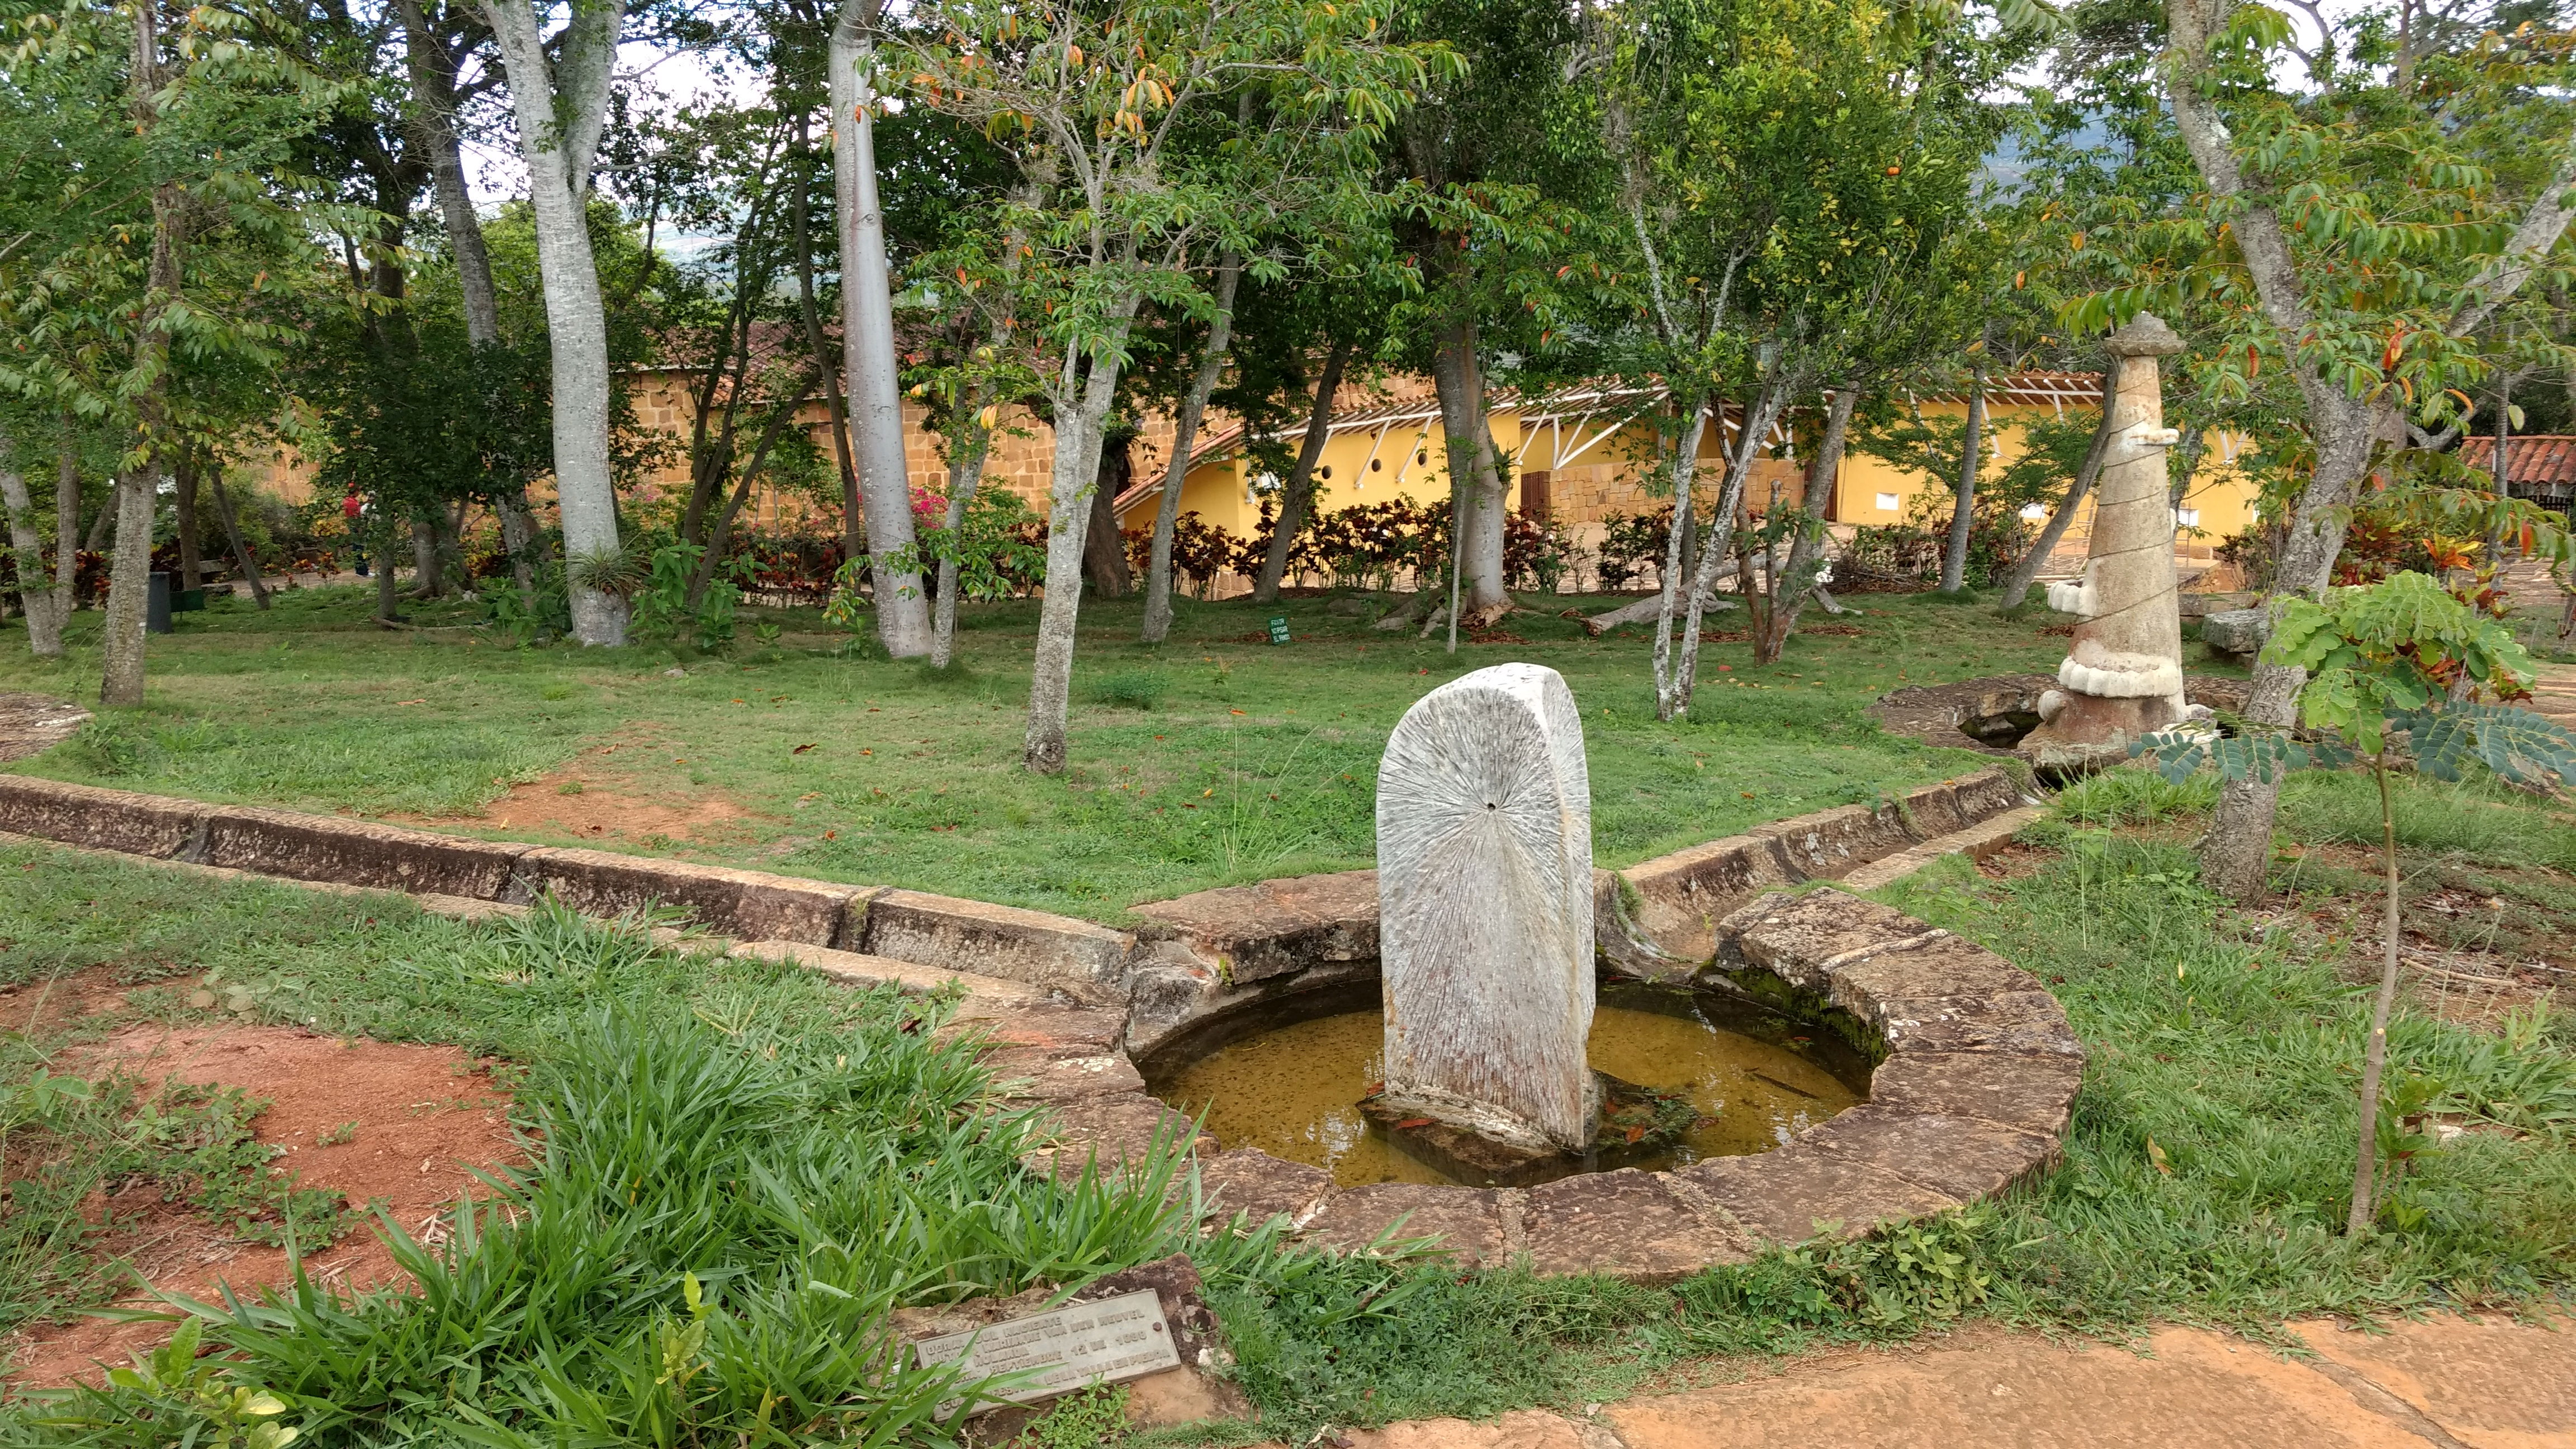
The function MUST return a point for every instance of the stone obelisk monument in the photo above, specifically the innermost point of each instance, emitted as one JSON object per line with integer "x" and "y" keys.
{"x": 2123, "y": 677}
{"x": 1484, "y": 859}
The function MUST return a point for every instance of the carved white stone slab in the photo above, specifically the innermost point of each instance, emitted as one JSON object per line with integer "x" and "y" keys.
{"x": 1106, "y": 1342}
{"x": 1484, "y": 859}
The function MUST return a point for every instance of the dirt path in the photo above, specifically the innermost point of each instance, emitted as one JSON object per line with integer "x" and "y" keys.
{"x": 2555, "y": 693}
{"x": 2451, "y": 1382}
{"x": 33, "y": 723}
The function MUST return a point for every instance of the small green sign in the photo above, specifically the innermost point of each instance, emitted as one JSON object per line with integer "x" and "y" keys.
{"x": 1278, "y": 628}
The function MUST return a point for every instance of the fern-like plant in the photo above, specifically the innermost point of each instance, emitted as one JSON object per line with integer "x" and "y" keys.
{"x": 2395, "y": 671}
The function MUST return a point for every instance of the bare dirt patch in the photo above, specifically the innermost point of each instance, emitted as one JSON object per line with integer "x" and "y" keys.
{"x": 605, "y": 812}
{"x": 30, "y": 724}
{"x": 611, "y": 793}
{"x": 390, "y": 1125}
{"x": 48, "y": 1004}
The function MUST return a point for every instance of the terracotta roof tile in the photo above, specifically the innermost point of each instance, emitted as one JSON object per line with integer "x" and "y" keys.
{"x": 2542, "y": 458}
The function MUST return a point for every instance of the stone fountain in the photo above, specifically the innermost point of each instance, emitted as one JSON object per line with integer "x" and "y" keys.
{"x": 1485, "y": 889}
{"x": 2123, "y": 676}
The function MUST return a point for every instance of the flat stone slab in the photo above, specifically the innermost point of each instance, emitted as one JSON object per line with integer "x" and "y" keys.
{"x": 1254, "y": 932}
{"x": 1053, "y": 1074}
{"x": 1007, "y": 941}
{"x": 1261, "y": 1187}
{"x": 31, "y": 724}
{"x": 1976, "y": 842}
{"x": 1117, "y": 1131}
{"x": 1797, "y": 937}
{"x": 1798, "y": 1191}
{"x": 1965, "y": 1158}
{"x": 2020, "y": 1021}
{"x": 1935, "y": 965}
{"x": 1630, "y": 1223}
{"x": 1197, "y": 1341}
{"x": 856, "y": 968}
{"x": 1467, "y": 1221}
{"x": 2030, "y": 1093}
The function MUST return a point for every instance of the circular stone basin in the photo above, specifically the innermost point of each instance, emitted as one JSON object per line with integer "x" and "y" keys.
{"x": 1758, "y": 1079}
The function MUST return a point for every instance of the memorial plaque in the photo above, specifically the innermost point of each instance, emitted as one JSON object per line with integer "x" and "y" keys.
{"x": 1108, "y": 1341}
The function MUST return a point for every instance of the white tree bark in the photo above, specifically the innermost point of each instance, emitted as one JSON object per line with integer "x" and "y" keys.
{"x": 1730, "y": 498}
{"x": 129, "y": 578}
{"x": 1484, "y": 854}
{"x": 35, "y": 591}
{"x": 1079, "y": 415}
{"x": 867, "y": 335}
{"x": 1469, "y": 444}
{"x": 1185, "y": 432}
{"x": 1963, "y": 510}
{"x": 560, "y": 108}
{"x": 2239, "y": 845}
{"x": 1670, "y": 698}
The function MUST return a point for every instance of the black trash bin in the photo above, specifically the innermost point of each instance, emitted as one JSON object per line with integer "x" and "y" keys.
{"x": 156, "y": 605}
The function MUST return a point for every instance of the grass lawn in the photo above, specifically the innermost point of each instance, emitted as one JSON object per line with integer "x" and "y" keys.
{"x": 1215, "y": 758}
{"x": 808, "y": 1163}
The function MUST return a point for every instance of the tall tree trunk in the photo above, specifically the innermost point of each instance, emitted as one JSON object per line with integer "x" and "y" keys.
{"x": 67, "y": 494}
{"x": 129, "y": 580}
{"x": 1460, "y": 382}
{"x": 243, "y": 558}
{"x": 130, "y": 572}
{"x": 1963, "y": 515}
{"x": 184, "y": 500}
{"x": 720, "y": 536}
{"x": 1748, "y": 446}
{"x": 1104, "y": 551}
{"x": 560, "y": 108}
{"x": 1081, "y": 402}
{"x": 867, "y": 337}
{"x": 1792, "y": 583}
{"x": 854, "y": 537}
{"x": 433, "y": 120}
{"x": 36, "y": 593}
{"x": 967, "y": 449}
{"x": 2238, "y": 847}
{"x": 2025, "y": 570}
{"x": 26, "y": 549}
{"x": 2374, "y": 1052}
{"x": 427, "y": 581}
{"x": 1185, "y": 433}
{"x": 1297, "y": 498}
{"x": 1669, "y": 697}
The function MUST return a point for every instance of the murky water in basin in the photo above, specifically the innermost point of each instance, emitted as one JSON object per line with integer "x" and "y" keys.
{"x": 1293, "y": 1092}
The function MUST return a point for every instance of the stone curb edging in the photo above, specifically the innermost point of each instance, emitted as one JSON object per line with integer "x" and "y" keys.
{"x": 1971, "y": 1098}
{"x": 938, "y": 933}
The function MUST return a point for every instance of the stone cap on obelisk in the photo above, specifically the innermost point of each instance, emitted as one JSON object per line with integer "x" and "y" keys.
{"x": 2145, "y": 336}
